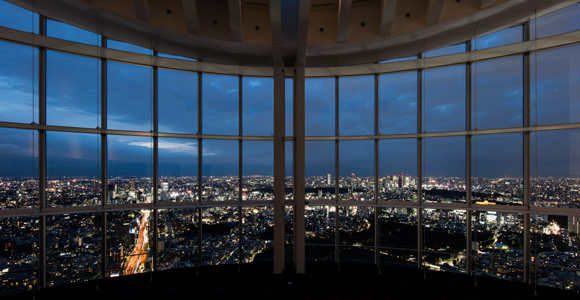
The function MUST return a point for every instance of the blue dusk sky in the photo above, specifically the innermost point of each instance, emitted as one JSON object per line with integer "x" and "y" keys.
{"x": 73, "y": 99}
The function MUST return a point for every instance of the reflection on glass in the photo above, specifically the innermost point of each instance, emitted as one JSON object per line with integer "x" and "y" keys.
{"x": 118, "y": 45}
{"x": 220, "y": 242}
{"x": 444, "y": 99}
{"x": 177, "y": 170}
{"x": 497, "y": 171}
{"x": 555, "y": 166}
{"x": 129, "y": 97}
{"x": 398, "y": 235}
{"x": 19, "y": 88}
{"x": 453, "y": 49}
{"x": 177, "y": 111}
{"x": 73, "y": 244}
{"x": 257, "y": 234}
{"x": 19, "y": 257}
{"x": 289, "y": 170}
{"x": 258, "y": 170}
{"x": 444, "y": 169}
{"x": 129, "y": 169}
{"x": 258, "y": 106}
{"x": 320, "y": 226}
{"x": 73, "y": 169}
{"x": 555, "y": 92}
{"x": 556, "y": 249}
{"x": 320, "y": 167}
{"x": 357, "y": 105}
{"x": 220, "y": 170}
{"x": 357, "y": 170}
{"x": 220, "y": 104}
{"x": 130, "y": 241}
{"x": 498, "y": 244}
{"x": 357, "y": 233}
{"x": 73, "y": 96}
{"x": 178, "y": 240}
{"x": 445, "y": 240}
{"x": 558, "y": 22}
{"x": 68, "y": 32}
{"x": 16, "y": 17}
{"x": 19, "y": 169}
{"x": 398, "y": 170}
{"x": 498, "y": 93}
{"x": 398, "y": 103}
{"x": 320, "y": 106}
{"x": 503, "y": 37}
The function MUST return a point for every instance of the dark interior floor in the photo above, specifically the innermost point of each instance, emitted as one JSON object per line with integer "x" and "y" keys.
{"x": 321, "y": 281}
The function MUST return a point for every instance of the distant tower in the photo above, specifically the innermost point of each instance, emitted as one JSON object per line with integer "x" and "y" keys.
{"x": 132, "y": 185}
{"x": 352, "y": 179}
{"x": 574, "y": 224}
{"x": 328, "y": 178}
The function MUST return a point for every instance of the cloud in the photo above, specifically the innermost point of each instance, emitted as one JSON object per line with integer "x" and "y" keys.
{"x": 174, "y": 147}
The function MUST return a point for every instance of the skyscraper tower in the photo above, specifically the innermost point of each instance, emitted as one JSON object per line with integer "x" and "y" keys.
{"x": 132, "y": 185}
{"x": 328, "y": 178}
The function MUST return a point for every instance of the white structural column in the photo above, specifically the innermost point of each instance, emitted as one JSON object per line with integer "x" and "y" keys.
{"x": 344, "y": 7}
{"x": 235, "y": 8}
{"x": 299, "y": 171}
{"x": 190, "y": 13}
{"x": 388, "y": 8}
{"x": 279, "y": 171}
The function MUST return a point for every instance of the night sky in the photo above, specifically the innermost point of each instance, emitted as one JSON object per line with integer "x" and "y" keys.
{"x": 73, "y": 99}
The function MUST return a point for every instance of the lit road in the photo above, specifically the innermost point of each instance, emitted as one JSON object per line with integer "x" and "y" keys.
{"x": 138, "y": 256}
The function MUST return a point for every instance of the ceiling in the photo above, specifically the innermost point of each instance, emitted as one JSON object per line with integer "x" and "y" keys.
{"x": 312, "y": 33}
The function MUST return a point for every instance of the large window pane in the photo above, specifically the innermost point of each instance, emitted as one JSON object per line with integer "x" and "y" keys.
{"x": 178, "y": 239}
{"x": 289, "y": 106}
{"x": 177, "y": 170}
{"x": 73, "y": 244}
{"x": 320, "y": 226}
{"x": 129, "y": 169}
{"x": 498, "y": 93}
{"x": 558, "y": 22}
{"x": 444, "y": 169}
{"x": 258, "y": 106}
{"x": 453, "y": 49}
{"x": 498, "y": 239}
{"x": 555, "y": 92}
{"x": 19, "y": 88}
{"x": 18, "y": 18}
{"x": 178, "y": 107}
{"x": 130, "y": 242}
{"x": 445, "y": 240}
{"x": 320, "y": 170}
{"x": 357, "y": 105}
{"x": 444, "y": 99}
{"x": 220, "y": 170}
{"x": 258, "y": 234}
{"x": 357, "y": 233}
{"x": 73, "y": 169}
{"x": 320, "y": 106}
{"x": 398, "y": 170}
{"x": 398, "y": 236}
{"x": 118, "y": 45}
{"x": 398, "y": 103}
{"x": 357, "y": 170}
{"x": 503, "y": 37}
{"x": 19, "y": 248}
{"x": 220, "y": 104}
{"x": 497, "y": 169}
{"x": 19, "y": 168}
{"x": 129, "y": 97}
{"x": 73, "y": 95}
{"x": 258, "y": 170}
{"x": 68, "y": 32}
{"x": 555, "y": 168}
{"x": 220, "y": 243}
